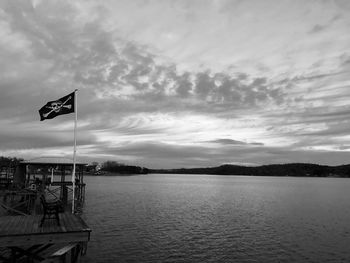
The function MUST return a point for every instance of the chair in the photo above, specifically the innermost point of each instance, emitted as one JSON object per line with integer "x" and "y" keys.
{"x": 51, "y": 210}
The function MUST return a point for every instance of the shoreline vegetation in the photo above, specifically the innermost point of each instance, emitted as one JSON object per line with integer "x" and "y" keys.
{"x": 113, "y": 168}
{"x": 290, "y": 169}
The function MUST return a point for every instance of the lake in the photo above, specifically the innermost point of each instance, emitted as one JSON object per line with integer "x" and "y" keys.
{"x": 215, "y": 218}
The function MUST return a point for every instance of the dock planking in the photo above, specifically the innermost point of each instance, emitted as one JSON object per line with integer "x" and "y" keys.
{"x": 26, "y": 230}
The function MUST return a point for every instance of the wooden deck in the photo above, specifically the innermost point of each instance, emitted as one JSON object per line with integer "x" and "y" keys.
{"x": 26, "y": 230}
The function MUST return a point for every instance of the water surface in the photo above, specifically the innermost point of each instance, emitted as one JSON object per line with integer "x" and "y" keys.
{"x": 208, "y": 218}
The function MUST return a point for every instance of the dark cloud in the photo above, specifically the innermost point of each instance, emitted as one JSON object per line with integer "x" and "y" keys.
{"x": 318, "y": 28}
{"x": 345, "y": 60}
{"x": 228, "y": 141}
{"x": 234, "y": 142}
{"x": 344, "y": 147}
{"x": 184, "y": 85}
{"x": 163, "y": 155}
{"x": 314, "y": 77}
{"x": 24, "y": 139}
{"x": 322, "y": 27}
{"x": 342, "y": 4}
{"x": 328, "y": 116}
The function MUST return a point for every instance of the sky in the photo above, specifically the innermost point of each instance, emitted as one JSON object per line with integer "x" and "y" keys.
{"x": 178, "y": 83}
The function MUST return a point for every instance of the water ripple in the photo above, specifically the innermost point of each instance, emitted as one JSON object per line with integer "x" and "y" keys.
{"x": 201, "y": 218}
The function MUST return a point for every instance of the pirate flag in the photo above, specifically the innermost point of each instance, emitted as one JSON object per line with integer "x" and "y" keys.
{"x": 54, "y": 108}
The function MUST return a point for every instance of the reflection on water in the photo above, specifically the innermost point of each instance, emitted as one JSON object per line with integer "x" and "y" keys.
{"x": 206, "y": 218}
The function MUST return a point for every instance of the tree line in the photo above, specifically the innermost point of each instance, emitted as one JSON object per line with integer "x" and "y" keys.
{"x": 116, "y": 167}
{"x": 107, "y": 166}
{"x": 289, "y": 169}
{"x": 292, "y": 169}
{"x": 9, "y": 161}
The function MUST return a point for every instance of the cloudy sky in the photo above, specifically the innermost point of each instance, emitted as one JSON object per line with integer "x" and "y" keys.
{"x": 169, "y": 84}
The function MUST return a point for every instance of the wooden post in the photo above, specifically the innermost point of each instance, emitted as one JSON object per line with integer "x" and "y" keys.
{"x": 65, "y": 195}
{"x": 20, "y": 176}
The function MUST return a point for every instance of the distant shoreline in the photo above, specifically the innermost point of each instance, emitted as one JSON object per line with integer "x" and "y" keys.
{"x": 245, "y": 175}
{"x": 275, "y": 170}
{"x": 113, "y": 174}
{"x": 279, "y": 170}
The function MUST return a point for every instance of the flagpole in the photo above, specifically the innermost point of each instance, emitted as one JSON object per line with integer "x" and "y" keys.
{"x": 51, "y": 175}
{"x": 75, "y": 146}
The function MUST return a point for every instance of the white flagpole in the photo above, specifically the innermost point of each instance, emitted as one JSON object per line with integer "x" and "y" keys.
{"x": 75, "y": 146}
{"x": 51, "y": 174}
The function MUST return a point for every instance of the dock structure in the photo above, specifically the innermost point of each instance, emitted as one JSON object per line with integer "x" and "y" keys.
{"x": 50, "y": 176}
{"x": 22, "y": 238}
{"x": 26, "y": 234}
{"x": 6, "y": 174}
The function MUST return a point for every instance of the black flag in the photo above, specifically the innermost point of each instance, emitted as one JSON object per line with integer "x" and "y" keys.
{"x": 54, "y": 108}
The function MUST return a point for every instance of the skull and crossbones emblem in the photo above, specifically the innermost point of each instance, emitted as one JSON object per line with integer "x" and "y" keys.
{"x": 56, "y": 106}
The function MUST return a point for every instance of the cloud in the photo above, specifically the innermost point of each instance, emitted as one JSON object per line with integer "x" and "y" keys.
{"x": 177, "y": 79}
{"x": 318, "y": 28}
{"x": 234, "y": 142}
{"x": 228, "y": 141}
{"x": 344, "y": 147}
{"x": 161, "y": 155}
{"x": 27, "y": 136}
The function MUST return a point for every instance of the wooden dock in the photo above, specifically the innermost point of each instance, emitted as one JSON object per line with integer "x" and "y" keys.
{"x": 17, "y": 233}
